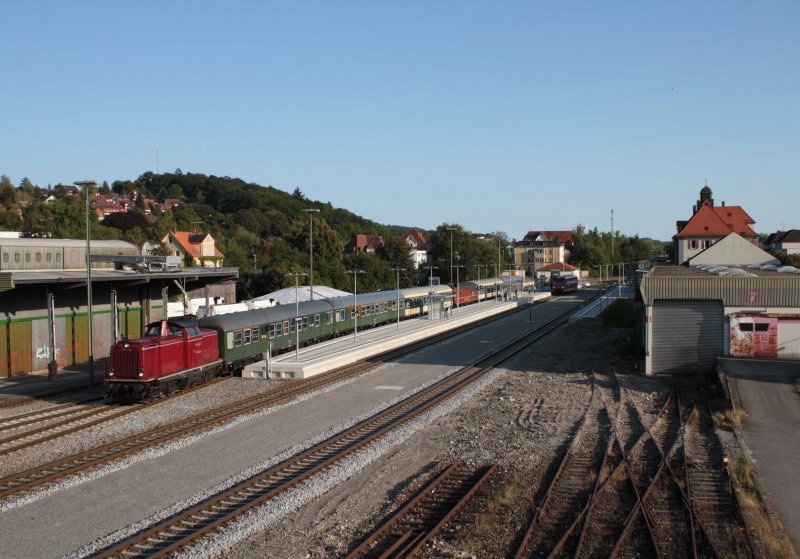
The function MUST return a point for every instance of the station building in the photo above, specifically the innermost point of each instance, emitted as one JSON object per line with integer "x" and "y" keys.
{"x": 44, "y": 314}
{"x": 731, "y": 299}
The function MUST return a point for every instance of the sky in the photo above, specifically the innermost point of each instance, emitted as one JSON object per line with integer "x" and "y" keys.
{"x": 509, "y": 116}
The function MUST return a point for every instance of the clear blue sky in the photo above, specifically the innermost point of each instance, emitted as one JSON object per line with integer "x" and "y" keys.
{"x": 495, "y": 115}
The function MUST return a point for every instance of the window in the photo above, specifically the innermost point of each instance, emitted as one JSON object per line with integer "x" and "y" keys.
{"x": 285, "y": 327}
{"x": 746, "y": 326}
{"x": 254, "y": 334}
{"x": 5, "y": 258}
{"x": 27, "y": 257}
{"x": 237, "y": 339}
{"x": 193, "y": 331}
{"x": 394, "y": 305}
{"x": 291, "y": 327}
{"x": 316, "y": 320}
{"x": 246, "y": 335}
{"x": 58, "y": 257}
{"x": 16, "y": 258}
{"x": 352, "y": 314}
{"x": 707, "y": 243}
{"x": 762, "y": 327}
{"x": 271, "y": 331}
{"x": 328, "y": 317}
{"x": 38, "y": 257}
{"x": 229, "y": 337}
{"x": 693, "y": 245}
{"x": 305, "y": 323}
{"x": 49, "y": 257}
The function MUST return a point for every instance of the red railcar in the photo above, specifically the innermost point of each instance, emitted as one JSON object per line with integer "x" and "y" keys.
{"x": 172, "y": 354}
{"x": 465, "y": 296}
{"x": 564, "y": 284}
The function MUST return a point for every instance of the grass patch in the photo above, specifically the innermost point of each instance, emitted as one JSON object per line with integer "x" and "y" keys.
{"x": 620, "y": 314}
{"x": 729, "y": 419}
{"x": 770, "y": 539}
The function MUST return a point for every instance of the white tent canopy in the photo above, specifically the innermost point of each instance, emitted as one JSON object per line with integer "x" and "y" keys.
{"x": 286, "y": 296}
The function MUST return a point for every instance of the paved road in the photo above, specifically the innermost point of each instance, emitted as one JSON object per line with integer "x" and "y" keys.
{"x": 772, "y": 430}
{"x": 71, "y": 518}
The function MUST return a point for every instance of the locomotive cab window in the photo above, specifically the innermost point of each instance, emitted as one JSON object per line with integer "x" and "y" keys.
{"x": 746, "y": 326}
{"x": 762, "y": 327}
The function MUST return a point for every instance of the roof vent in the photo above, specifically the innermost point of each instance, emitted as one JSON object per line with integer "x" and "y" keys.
{"x": 787, "y": 269}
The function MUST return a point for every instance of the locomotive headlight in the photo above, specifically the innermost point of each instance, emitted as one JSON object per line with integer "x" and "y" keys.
{"x": 141, "y": 373}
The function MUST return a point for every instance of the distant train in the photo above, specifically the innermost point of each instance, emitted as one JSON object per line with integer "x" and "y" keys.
{"x": 178, "y": 352}
{"x": 563, "y": 284}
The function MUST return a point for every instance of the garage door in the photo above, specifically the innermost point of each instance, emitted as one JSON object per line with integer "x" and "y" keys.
{"x": 688, "y": 336}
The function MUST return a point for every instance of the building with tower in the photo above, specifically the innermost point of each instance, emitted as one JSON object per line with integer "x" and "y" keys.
{"x": 709, "y": 224}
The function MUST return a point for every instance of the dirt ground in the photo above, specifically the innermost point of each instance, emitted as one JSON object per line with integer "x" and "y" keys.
{"x": 523, "y": 421}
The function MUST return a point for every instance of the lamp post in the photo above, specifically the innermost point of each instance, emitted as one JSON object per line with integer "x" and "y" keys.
{"x": 355, "y": 273}
{"x": 430, "y": 274}
{"x": 311, "y": 212}
{"x": 398, "y": 270}
{"x": 296, "y": 276}
{"x": 496, "y": 277}
{"x": 479, "y": 266}
{"x": 88, "y": 184}
{"x": 451, "y": 229}
{"x": 458, "y": 294}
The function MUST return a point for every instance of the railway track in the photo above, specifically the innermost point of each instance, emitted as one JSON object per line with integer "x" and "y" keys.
{"x": 206, "y": 517}
{"x": 41, "y": 476}
{"x": 709, "y": 488}
{"x": 407, "y": 531}
{"x": 573, "y": 483}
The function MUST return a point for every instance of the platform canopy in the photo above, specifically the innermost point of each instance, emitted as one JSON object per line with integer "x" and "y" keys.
{"x": 286, "y": 295}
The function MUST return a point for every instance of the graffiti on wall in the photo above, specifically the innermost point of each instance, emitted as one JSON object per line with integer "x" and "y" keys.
{"x": 43, "y": 352}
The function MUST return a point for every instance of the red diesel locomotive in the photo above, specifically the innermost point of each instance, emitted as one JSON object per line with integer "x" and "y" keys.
{"x": 172, "y": 354}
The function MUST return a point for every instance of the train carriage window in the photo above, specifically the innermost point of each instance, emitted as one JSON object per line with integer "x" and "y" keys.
{"x": 16, "y": 258}
{"x": 237, "y": 339}
{"x": 27, "y": 258}
{"x": 254, "y": 334}
{"x": 316, "y": 321}
{"x": 38, "y": 257}
{"x": 305, "y": 323}
{"x": 58, "y": 258}
{"x": 291, "y": 327}
{"x": 352, "y": 314}
{"x": 271, "y": 330}
{"x": 246, "y": 336}
{"x": 5, "y": 258}
{"x": 393, "y": 305}
{"x": 229, "y": 339}
{"x": 49, "y": 257}
{"x": 285, "y": 327}
{"x": 328, "y": 317}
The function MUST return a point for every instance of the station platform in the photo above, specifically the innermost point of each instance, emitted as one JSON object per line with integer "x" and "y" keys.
{"x": 593, "y": 309}
{"x": 324, "y": 357}
{"x": 38, "y": 385}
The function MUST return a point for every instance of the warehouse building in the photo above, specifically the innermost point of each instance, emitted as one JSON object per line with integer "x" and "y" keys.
{"x": 44, "y": 316}
{"x": 732, "y": 299}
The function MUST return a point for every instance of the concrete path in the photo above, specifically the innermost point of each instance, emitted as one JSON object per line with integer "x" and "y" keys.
{"x": 766, "y": 391}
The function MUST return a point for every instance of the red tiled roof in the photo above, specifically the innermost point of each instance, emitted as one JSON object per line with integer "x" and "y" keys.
{"x": 560, "y": 266}
{"x": 417, "y": 237}
{"x": 561, "y": 237}
{"x": 363, "y": 243}
{"x": 709, "y": 221}
{"x": 190, "y": 243}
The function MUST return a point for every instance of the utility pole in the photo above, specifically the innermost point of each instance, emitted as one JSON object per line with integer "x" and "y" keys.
{"x": 612, "y": 233}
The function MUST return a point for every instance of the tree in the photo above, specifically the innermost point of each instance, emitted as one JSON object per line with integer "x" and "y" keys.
{"x": 105, "y": 189}
{"x": 8, "y": 196}
{"x": 395, "y": 252}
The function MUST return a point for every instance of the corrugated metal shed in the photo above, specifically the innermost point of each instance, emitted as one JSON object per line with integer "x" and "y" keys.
{"x": 755, "y": 288}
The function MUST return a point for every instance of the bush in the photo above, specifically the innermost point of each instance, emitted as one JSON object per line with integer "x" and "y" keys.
{"x": 620, "y": 314}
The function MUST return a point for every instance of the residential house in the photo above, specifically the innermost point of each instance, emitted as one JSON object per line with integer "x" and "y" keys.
{"x": 784, "y": 242}
{"x": 418, "y": 246}
{"x": 363, "y": 243}
{"x": 710, "y": 224}
{"x": 540, "y": 248}
{"x": 199, "y": 248}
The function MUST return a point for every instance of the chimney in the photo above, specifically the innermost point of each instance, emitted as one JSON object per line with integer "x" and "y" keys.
{"x": 723, "y": 203}
{"x": 694, "y": 209}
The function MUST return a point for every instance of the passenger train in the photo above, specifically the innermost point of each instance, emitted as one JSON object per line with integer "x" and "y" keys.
{"x": 178, "y": 352}
{"x": 563, "y": 284}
